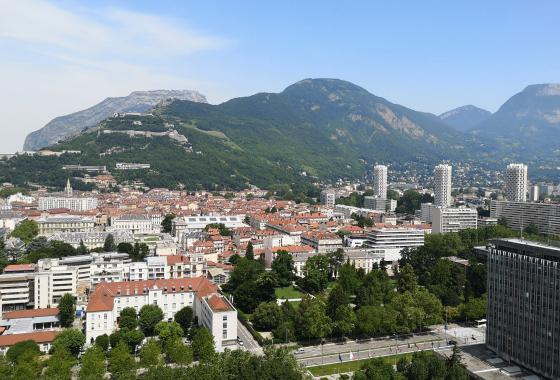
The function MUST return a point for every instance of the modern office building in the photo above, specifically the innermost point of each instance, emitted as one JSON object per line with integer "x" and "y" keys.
{"x": 380, "y": 181}
{"x": 518, "y": 215}
{"x": 453, "y": 219}
{"x": 523, "y": 317}
{"x": 516, "y": 183}
{"x": 328, "y": 197}
{"x": 391, "y": 241}
{"x": 442, "y": 185}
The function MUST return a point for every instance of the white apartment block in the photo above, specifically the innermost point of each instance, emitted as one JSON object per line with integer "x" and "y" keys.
{"x": 391, "y": 241}
{"x": 71, "y": 203}
{"x": 10, "y": 219}
{"x": 546, "y": 216}
{"x": 426, "y": 212}
{"x": 453, "y": 219}
{"x": 328, "y": 198}
{"x": 379, "y": 204}
{"x": 190, "y": 224}
{"x": 442, "y": 185}
{"x": 212, "y": 310}
{"x": 516, "y": 183}
{"x": 56, "y": 224}
{"x": 380, "y": 181}
{"x": 359, "y": 258}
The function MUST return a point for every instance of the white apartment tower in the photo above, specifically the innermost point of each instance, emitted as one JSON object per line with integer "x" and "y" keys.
{"x": 442, "y": 185}
{"x": 516, "y": 183}
{"x": 380, "y": 181}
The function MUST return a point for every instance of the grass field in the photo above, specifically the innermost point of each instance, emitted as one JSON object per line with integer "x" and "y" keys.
{"x": 330, "y": 369}
{"x": 289, "y": 292}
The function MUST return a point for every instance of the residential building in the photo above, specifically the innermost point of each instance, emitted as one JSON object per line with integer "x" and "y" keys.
{"x": 131, "y": 166}
{"x": 67, "y": 200}
{"x": 523, "y": 317}
{"x": 16, "y": 291}
{"x": 212, "y": 310}
{"x": 516, "y": 183}
{"x": 190, "y": 224}
{"x": 442, "y": 185}
{"x": 44, "y": 340}
{"x": 322, "y": 242}
{"x": 534, "y": 193}
{"x": 453, "y": 219}
{"x": 380, "y": 181}
{"x": 30, "y": 320}
{"x": 518, "y": 215}
{"x": 328, "y": 198}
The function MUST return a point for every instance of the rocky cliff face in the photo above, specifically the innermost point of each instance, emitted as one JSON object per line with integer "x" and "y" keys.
{"x": 66, "y": 126}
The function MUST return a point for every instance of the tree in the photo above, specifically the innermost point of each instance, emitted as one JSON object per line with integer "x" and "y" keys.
{"x": 167, "y": 223}
{"x": 249, "y": 254}
{"x": 313, "y": 322}
{"x": 337, "y": 298}
{"x": 26, "y": 230}
{"x": 473, "y": 309}
{"x": 348, "y": 278}
{"x": 377, "y": 369}
{"x": 267, "y": 316}
{"x": 343, "y": 320}
{"x": 125, "y": 248}
{"x": 375, "y": 321}
{"x": 21, "y": 351}
{"x": 132, "y": 338}
{"x": 82, "y": 249}
{"x": 167, "y": 331}
{"x": 285, "y": 331}
{"x": 203, "y": 344}
{"x": 128, "y": 318}
{"x": 71, "y": 340}
{"x": 149, "y": 317}
{"x": 531, "y": 229}
{"x": 184, "y": 317}
{"x": 109, "y": 245}
{"x": 92, "y": 364}
{"x": 150, "y": 354}
{"x": 121, "y": 363}
{"x": 178, "y": 353}
{"x": 406, "y": 279}
{"x": 102, "y": 341}
{"x": 283, "y": 266}
{"x": 59, "y": 365}
{"x": 66, "y": 310}
{"x": 335, "y": 259}
{"x": 316, "y": 274}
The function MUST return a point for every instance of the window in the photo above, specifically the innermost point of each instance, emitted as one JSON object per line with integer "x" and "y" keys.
{"x": 224, "y": 334}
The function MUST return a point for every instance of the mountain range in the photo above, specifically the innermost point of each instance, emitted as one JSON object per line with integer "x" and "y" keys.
{"x": 69, "y": 125}
{"x": 314, "y": 130}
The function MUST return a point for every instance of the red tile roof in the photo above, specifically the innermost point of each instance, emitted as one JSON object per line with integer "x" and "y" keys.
{"x": 31, "y": 313}
{"x": 103, "y": 297}
{"x": 218, "y": 303}
{"x": 39, "y": 337}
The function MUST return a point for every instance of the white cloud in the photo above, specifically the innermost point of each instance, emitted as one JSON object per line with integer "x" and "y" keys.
{"x": 56, "y": 60}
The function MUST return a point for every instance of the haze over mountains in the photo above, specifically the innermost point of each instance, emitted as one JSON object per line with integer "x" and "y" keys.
{"x": 69, "y": 125}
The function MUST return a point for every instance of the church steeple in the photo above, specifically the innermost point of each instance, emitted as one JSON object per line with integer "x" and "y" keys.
{"x": 68, "y": 189}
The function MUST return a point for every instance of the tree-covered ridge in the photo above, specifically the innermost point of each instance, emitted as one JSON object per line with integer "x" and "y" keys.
{"x": 322, "y": 128}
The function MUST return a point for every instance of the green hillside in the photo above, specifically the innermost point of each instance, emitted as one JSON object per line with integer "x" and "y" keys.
{"x": 322, "y": 128}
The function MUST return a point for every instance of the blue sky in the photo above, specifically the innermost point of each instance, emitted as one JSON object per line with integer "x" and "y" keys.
{"x": 63, "y": 56}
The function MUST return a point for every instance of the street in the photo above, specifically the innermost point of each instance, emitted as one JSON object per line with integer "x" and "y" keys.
{"x": 249, "y": 343}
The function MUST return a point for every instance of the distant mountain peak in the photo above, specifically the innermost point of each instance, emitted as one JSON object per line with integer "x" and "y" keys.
{"x": 465, "y": 118}
{"x": 69, "y": 125}
{"x": 543, "y": 89}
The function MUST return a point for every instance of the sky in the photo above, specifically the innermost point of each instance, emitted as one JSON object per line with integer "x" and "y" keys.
{"x": 58, "y": 57}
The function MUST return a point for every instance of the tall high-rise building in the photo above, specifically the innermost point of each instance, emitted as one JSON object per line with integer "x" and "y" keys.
{"x": 523, "y": 305}
{"x": 516, "y": 183}
{"x": 380, "y": 181}
{"x": 328, "y": 198}
{"x": 442, "y": 185}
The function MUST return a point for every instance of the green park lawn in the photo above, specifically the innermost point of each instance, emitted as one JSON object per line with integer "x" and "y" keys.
{"x": 350, "y": 366}
{"x": 289, "y": 292}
